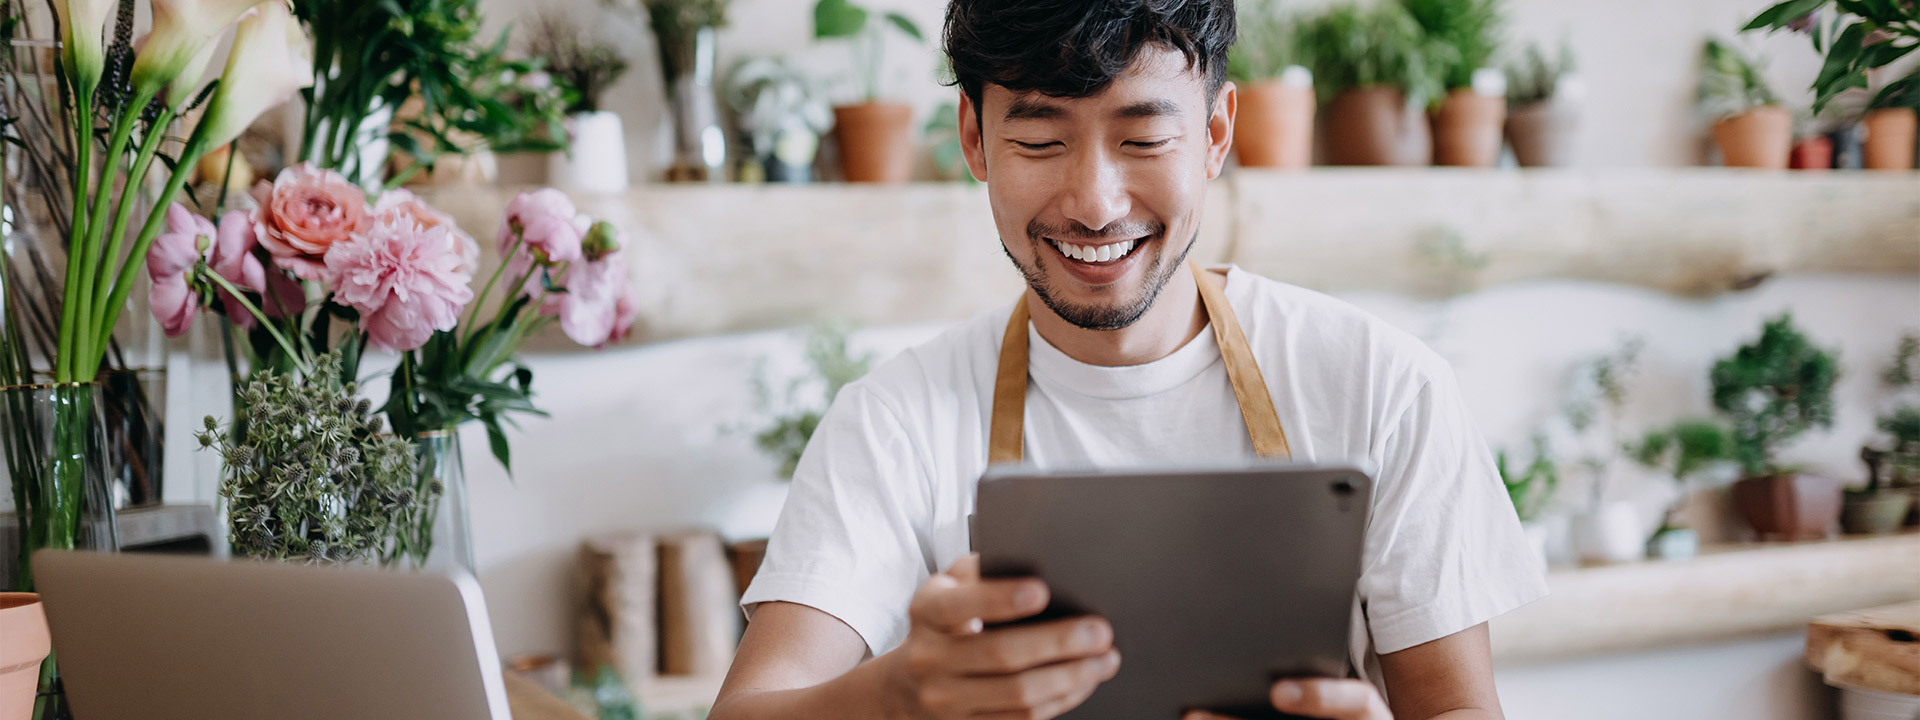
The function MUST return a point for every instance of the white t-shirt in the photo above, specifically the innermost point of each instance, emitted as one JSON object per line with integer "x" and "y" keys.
{"x": 881, "y": 497}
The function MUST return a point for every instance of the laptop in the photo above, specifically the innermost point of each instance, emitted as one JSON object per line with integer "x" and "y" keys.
{"x": 147, "y": 637}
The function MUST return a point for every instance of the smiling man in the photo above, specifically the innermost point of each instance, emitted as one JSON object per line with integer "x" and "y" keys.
{"x": 1096, "y": 125}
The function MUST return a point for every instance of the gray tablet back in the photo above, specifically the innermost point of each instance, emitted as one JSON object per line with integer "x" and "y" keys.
{"x": 1216, "y": 582}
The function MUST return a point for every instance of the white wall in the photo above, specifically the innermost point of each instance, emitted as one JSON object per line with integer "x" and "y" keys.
{"x": 1638, "y": 58}
{"x": 1761, "y": 678}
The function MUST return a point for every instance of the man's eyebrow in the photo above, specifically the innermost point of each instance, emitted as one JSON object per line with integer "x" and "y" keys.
{"x": 1027, "y": 108}
{"x": 1147, "y": 109}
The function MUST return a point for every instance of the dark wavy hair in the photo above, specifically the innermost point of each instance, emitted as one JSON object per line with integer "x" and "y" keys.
{"x": 1075, "y": 48}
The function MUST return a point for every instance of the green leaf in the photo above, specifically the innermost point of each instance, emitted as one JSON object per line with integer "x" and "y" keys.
{"x": 1883, "y": 54}
{"x": 906, "y": 26}
{"x": 1777, "y": 17}
{"x": 838, "y": 19}
{"x": 497, "y": 442}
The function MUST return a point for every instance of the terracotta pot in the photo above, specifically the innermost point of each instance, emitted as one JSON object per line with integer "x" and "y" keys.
{"x": 1542, "y": 134}
{"x": 1758, "y": 138}
{"x": 1467, "y": 129}
{"x": 1890, "y": 138}
{"x": 1788, "y": 506}
{"x": 1875, "y": 513}
{"x": 1374, "y": 126}
{"x": 1814, "y": 153}
{"x": 24, "y": 642}
{"x": 876, "y": 141}
{"x": 1274, "y": 127}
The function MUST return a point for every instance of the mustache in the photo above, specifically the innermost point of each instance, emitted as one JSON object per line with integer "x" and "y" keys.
{"x": 1037, "y": 231}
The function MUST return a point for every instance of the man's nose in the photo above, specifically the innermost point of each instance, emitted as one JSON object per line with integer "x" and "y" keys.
{"x": 1096, "y": 193}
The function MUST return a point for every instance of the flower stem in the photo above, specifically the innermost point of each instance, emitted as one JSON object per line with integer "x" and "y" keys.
{"x": 124, "y": 213}
{"x": 76, "y": 239}
{"x": 261, "y": 317}
{"x": 92, "y": 311}
{"x": 473, "y": 318}
{"x": 123, "y": 283}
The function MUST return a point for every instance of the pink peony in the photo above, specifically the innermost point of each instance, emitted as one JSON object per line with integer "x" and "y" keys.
{"x": 304, "y": 212}
{"x": 404, "y": 279}
{"x": 404, "y": 202}
{"x": 597, "y": 306}
{"x": 174, "y": 253}
{"x": 547, "y": 223}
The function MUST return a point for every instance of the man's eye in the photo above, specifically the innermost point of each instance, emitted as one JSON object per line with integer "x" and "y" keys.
{"x": 1148, "y": 144}
{"x": 1035, "y": 146}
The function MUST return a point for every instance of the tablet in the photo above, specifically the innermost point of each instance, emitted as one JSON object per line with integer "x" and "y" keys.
{"x": 1217, "y": 582}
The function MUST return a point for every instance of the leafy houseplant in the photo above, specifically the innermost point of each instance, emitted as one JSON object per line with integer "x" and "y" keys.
{"x": 1375, "y": 71}
{"x": 1749, "y": 124}
{"x": 1771, "y": 391}
{"x": 876, "y": 138}
{"x": 1893, "y": 474}
{"x": 1683, "y": 451}
{"x": 596, "y": 157}
{"x": 1465, "y": 36}
{"x": 1856, "y": 39}
{"x": 1542, "y": 107}
{"x": 782, "y": 111}
{"x": 1274, "y": 127}
{"x": 795, "y": 412}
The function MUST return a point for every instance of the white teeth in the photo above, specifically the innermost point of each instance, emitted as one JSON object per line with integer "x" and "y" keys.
{"x": 1102, "y": 253}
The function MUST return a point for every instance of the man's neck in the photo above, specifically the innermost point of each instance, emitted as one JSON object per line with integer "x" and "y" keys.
{"x": 1173, "y": 321}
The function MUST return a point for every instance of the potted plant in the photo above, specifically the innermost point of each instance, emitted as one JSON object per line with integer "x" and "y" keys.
{"x": 1683, "y": 451}
{"x": 1543, "y": 107}
{"x": 1375, "y": 76}
{"x": 1857, "y": 38}
{"x": 1274, "y": 127}
{"x": 595, "y": 160}
{"x": 1609, "y": 530}
{"x": 1750, "y": 125}
{"x": 1771, "y": 391}
{"x": 876, "y": 138}
{"x": 1531, "y": 490}
{"x": 1465, "y": 35}
{"x": 782, "y": 112}
{"x": 1893, "y": 474}
{"x": 23, "y": 622}
{"x": 1812, "y": 148}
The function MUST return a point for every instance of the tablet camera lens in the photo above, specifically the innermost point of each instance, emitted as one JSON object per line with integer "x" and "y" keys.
{"x": 1343, "y": 487}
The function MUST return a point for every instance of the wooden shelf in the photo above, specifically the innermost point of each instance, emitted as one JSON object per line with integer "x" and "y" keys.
{"x": 723, "y": 258}
{"x": 1726, "y": 592}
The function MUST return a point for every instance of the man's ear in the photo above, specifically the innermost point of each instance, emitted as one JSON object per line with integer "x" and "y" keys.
{"x": 1220, "y": 129}
{"x": 971, "y": 144}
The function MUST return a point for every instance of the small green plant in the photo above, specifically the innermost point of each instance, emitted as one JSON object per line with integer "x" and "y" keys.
{"x": 796, "y": 413}
{"x": 1533, "y": 77}
{"x": 1773, "y": 390}
{"x": 315, "y": 479}
{"x": 586, "y": 65}
{"x": 1530, "y": 489}
{"x": 1902, "y": 424}
{"x": 943, "y": 131}
{"x": 1464, "y": 35}
{"x": 1269, "y": 43}
{"x": 1684, "y": 449}
{"x": 1855, "y": 37}
{"x": 1353, "y": 48}
{"x": 843, "y": 20}
{"x": 1730, "y": 83}
{"x": 1592, "y": 407}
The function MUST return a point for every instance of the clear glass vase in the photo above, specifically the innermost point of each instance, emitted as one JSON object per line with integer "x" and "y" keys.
{"x": 58, "y": 493}
{"x": 435, "y": 535}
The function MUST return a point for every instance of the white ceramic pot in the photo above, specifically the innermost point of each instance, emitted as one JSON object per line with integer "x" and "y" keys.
{"x": 1609, "y": 534}
{"x": 597, "y": 161}
{"x": 1861, "y": 704}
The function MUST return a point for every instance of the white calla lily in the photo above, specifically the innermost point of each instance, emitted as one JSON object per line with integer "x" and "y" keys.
{"x": 182, "y": 30}
{"x": 272, "y": 59}
{"x": 83, "y": 28}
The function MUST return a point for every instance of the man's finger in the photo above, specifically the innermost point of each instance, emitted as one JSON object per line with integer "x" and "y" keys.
{"x": 966, "y": 568}
{"x": 1202, "y": 715}
{"x": 1014, "y": 649}
{"x": 954, "y": 606}
{"x": 1332, "y": 699}
{"x": 1041, "y": 686}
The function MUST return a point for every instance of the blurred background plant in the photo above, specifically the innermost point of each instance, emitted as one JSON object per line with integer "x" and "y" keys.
{"x": 1383, "y": 46}
{"x": 794, "y": 411}
{"x": 1463, "y": 36}
{"x": 1730, "y": 83}
{"x": 1534, "y": 77}
{"x": 584, "y": 63}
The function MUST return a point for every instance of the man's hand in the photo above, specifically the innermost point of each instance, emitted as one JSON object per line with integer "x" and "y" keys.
{"x": 1329, "y": 699}
{"x": 950, "y": 667}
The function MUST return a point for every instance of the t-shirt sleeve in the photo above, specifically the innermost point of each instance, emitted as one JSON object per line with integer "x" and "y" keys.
{"x": 1444, "y": 549}
{"x": 849, "y": 540}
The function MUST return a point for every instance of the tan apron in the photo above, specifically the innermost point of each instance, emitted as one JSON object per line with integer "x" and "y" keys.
{"x": 1005, "y": 443}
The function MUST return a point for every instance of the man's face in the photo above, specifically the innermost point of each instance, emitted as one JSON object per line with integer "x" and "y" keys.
{"x": 1098, "y": 199}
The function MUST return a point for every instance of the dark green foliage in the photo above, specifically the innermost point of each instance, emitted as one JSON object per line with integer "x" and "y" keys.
{"x": 1855, "y": 36}
{"x": 316, "y": 480}
{"x": 1465, "y": 35}
{"x": 1684, "y": 449}
{"x": 1353, "y": 48}
{"x": 1772, "y": 390}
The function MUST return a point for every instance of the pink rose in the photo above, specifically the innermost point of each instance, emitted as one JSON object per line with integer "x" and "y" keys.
{"x": 546, "y": 223}
{"x": 403, "y": 278}
{"x": 597, "y": 306}
{"x": 410, "y": 205}
{"x": 303, "y": 213}
{"x": 174, "y": 253}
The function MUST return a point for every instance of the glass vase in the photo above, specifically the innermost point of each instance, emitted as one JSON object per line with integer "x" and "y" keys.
{"x": 699, "y": 145}
{"x": 435, "y": 535}
{"x": 133, "y": 413}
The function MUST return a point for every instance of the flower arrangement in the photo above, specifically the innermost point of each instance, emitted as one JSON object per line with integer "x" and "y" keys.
{"x": 319, "y": 260}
